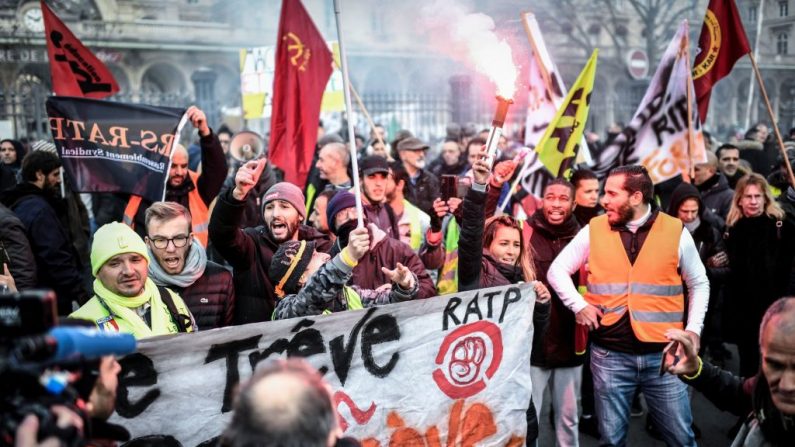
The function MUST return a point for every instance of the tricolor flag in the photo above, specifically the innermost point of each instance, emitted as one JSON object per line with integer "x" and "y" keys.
{"x": 657, "y": 136}
{"x": 74, "y": 69}
{"x": 721, "y": 44}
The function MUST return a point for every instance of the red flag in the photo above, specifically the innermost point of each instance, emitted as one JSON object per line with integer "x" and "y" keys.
{"x": 721, "y": 43}
{"x": 303, "y": 67}
{"x": 74, "y": 69}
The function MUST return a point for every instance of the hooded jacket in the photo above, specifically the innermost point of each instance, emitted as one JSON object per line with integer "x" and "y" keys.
{"x": 250, "y": 251}
{"x": 57, "y": 264}
{"x": 707, "y": 236}
{"x": 717, "y": 196}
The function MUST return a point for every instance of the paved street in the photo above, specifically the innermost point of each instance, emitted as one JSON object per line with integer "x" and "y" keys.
{"x": 714, "y": 423}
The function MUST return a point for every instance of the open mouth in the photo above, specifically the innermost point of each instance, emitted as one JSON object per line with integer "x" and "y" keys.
{"x": 278, "y": 229}
{"x": 171, "y": 262}
{"x": 508, "y": 260}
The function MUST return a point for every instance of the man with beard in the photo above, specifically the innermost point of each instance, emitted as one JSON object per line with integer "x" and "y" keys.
{"x": 36, "y": 203}
{"x": 385, "y": 252}
{"x": 180, "y": 263}
{"x": 638, "y": 259}
{"x": 374, "y": 171}
{"x": 423, "y": 187}
{"x": 554, "y": 362}
{"x": 125, "y": 298}
{"x": 189, "y": 189}
{"x": 250, "y": 250}
{"x": 586, "y": 196}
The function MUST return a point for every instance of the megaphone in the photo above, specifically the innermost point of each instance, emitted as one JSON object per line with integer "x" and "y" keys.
{"x": 246, "y": 145}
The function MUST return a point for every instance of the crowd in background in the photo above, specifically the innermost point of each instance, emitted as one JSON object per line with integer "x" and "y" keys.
{"x": 234, "y": 244}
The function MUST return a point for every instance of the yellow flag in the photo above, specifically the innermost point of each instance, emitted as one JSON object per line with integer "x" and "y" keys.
{"x": 557, "y": 149}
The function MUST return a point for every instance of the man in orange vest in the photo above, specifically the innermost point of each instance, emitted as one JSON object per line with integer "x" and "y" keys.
{"x": 638, "y": 260}
{"x": 188, "y": 188}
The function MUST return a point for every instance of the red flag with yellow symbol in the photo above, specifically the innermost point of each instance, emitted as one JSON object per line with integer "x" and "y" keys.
{"x": 721, "y": 44}
{"x": 303, "y": 67}
{"x": 74, "y": 69}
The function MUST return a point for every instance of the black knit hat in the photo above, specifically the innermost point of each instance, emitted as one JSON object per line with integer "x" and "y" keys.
{"x": 288, "y": 264}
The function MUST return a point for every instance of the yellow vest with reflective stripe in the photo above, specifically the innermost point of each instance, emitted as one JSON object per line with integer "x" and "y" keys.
{"x": 650, "y": 289}
{"x": 311, "y": 190}
{"x": 412, "y": 213}
{"x": 448, "y": 277}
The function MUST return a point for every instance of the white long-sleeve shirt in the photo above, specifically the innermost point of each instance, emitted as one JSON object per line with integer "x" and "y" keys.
{"x": 575, "y": 254}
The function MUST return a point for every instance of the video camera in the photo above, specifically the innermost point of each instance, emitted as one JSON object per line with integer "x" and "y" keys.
{"x": 42, "y": 364}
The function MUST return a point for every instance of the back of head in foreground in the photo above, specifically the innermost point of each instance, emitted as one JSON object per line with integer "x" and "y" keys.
{"x": 286, "y": 403}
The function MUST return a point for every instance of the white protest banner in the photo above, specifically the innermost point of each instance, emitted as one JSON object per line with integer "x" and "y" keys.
{"x": 452, "y": 370}
{"x": 657, "y": 137}
{"x": 546, "y": 92}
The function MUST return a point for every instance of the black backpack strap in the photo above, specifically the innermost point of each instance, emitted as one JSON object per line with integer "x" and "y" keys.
{"x": 182, "y": 321}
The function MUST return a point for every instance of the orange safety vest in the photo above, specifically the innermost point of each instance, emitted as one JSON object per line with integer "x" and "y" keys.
{"x": 200, "y": 215}
{"x": 651, "y": 288}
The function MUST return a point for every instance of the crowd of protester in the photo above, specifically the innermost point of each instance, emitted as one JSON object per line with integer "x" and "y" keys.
{"x": 233, "y": 244}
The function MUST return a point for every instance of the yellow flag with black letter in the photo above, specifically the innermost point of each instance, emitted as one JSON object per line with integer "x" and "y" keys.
{"x": 557, "y": 149}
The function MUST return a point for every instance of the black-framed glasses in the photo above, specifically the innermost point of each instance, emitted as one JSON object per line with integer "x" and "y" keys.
{"x": 161, "y": 242}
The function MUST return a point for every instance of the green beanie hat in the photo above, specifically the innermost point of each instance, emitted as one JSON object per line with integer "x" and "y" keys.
{"x": 114, "y": 239}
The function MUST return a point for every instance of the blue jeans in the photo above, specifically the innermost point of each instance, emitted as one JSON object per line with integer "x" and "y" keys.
{"x": 616, "y": 375}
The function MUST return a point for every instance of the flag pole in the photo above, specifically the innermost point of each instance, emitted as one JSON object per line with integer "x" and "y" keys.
{"x": 366, "y": 114}
{"x": 760, "y": 12}
{"x": 349, "y": 108}
{"x": 772, "y": 119}
{"x": 690, "y": 141}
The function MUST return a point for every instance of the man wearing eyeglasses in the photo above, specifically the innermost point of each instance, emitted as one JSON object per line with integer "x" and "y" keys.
{"x": 125, "y": 298}
{"x": 180, "y": 263}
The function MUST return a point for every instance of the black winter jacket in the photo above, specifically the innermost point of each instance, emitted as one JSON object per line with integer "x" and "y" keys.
{"x": 761, "y": 251}
{"x": 14, "y": 241}
{"x": 423, "y": 192}
{"x": 716, "y": 197}
{"x": 553, "y": 343}
{"x": 57, "y": 265}
{"x": 249, "y": 251}
{"x": 252, "y": 216}
{"x": 477, "y": 269}
{"x": 745, "y": 397}
{"x": 211, "y": 298}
